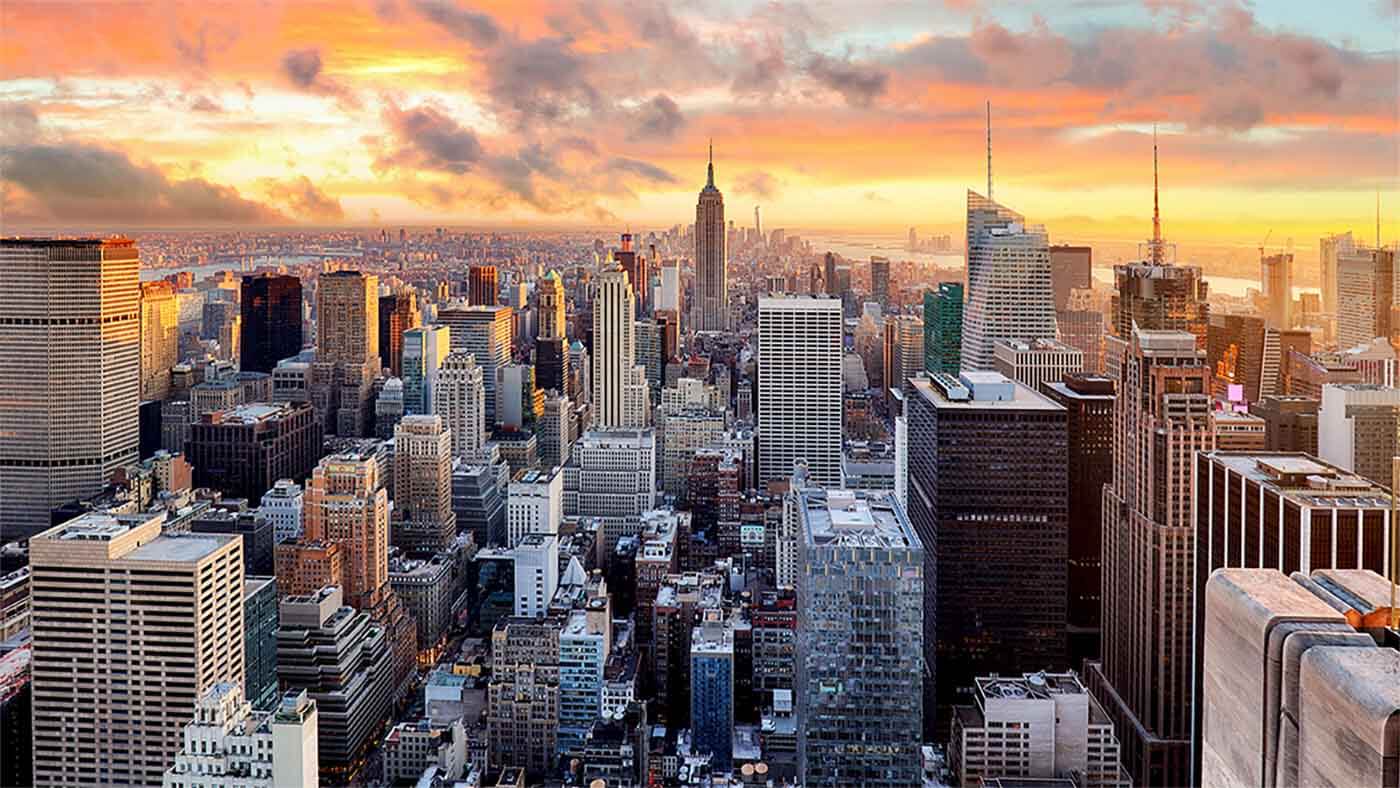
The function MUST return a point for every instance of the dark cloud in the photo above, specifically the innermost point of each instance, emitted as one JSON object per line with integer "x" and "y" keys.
{"x": 18, "y": 122}
{"x": 576, "y": 143}
{"x": 761, "y": 70}
{"x": 476, "y": 28}
{"x": 79, "y": 182}
{"x": 428, "y": 138}
{"x": 304, "y": 200}
{"x": 205, "y": 104}
{"x": 641, "y": 169}
{"x": 1232, "y": 113}
{"x": 859, "y": 84}
{"x": 658, "y": 118}
{"x": 757, "y": 183}
{"x": 302, "y": 66}
{"x": 540, "y": 80}
{"x": 205, "y": 41}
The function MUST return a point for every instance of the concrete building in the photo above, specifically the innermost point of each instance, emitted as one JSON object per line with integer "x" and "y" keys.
{"x": 425, "y": 348}
{"x": 620, "y": 395}
{"x": 228, "y": 743}
{"x": 1365, "y": 295}
{"x": 1040, "y": 726}
{"x": 1290, "y": 423}
{"x": 1235, "y": 351}
{"x": 903, "y": 350}
{"x": 709, "y": 310}
{"x": 1238, "y": 431}
{"x": 1010, "y": 293}
{"x": 347, "y": 351}
{"x": 534, "y": 504}
{"x": 943, "y": 319}
{"x": 880, "y": 280}
{"x": 485, "y": 333}
{"x": 1071, "y": 268}
{"x": 1358, "y": 428}
{"x": 713, "y": 673}
{"x": 522, "y": 710}
{"x": 988, "y": 475}
{"x": 479, "y": 501}
{"x": 160, "y": 338}
{"x": 612, "y": 476}
{"x": 270, "y": 321}
{"x": 413, "y": 750}
{"x": 1322, "y": 709}
{"x": 1162, "y": 417}
{"x": 426, "y": 588}
{"x": 244, "y": 451}
{"x": 459, "y": 398}
{"x": 862, "y": 583}
{"x": 536, "y": 573}
{"x": 119, "y": 664}
{"x": 1083, "y": 329}
{"x": 1036, "y": 362}
{"x": 1330, "y": 248}
{"x": 70, "y": 343}
{"x": 682, "y": 433}
{"x": 344, "y": 663}
{"x": 388, "y": 409}
{"x": 1276, "y": 290}
{"x": 799, "y": 388}
{"x": 554, "y": 432}
{"x": 423, "y": 521}
{"x": 281, "y": 505}
{"x": 585, "y": 643}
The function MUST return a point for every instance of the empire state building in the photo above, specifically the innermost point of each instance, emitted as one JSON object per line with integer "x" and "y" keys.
{"x": 709, "y": 309}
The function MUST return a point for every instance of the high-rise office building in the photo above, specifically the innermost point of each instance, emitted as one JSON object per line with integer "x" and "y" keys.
{"x": 1358, "y": 428}
{"x": 710, "y": 308}
{"x": 242, "y": 452}
{"x": 1162, "y": 417}
{"x": 1365, "y": 296}
{"x": 620, "y": 395}
{"x": 1276, "y": 285}
{"x": 1290, "y": 423}
{"x": 550, "y": 302}
{"x": 1235, "y": 351}
{"x": 1083, "y": 329}
{"x": 460, "y": 399}
{"x": 483, "y": 286}
{"x": 536, "y": 562}
{"x": 534, "y": 504}
{"x": 1159, "y": 297}
{"x": 555, "y": 430}
{"x": 713, "y": 674}
{"x": 1329, "y": 249}
{"x": 988, "y": 476}
{"x": 1071, "y": 268}
{"x": 1009, "y": 289}
{"x": 388, "y": 409}
{"x": 1088, "y": 403}
{"x": 612, "y": 476}
{"x": 484, "y": 332}
{"x": 903, "y": 349}
{"x": 222, "y": 324}
{"x": 585, "y": 643}
{"x": 423, "y": 517}
{"x": 635, "y": 265}
{"x": 271, "y": 321}
{"x": 160, "y": 338}
{"x": 860, "y": 639}
{"x": 259, "y": 636}
{"x": 880, "y": 280}
{"x": 398, "y": 312}
{"x": 347, "y": 351}
{"x": 70, "y": 345}
{"x": 423, "y": 351}
{"x": 1036, "y": 362}
{"x": 119, "y": 663}
{"x": 943, "y": 321}
{"x": 799, "y": 388}
{"x": 345, "y": 504}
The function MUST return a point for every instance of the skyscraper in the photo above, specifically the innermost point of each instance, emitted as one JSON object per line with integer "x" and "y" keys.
{"x": 880, "y": 280}
{"x": 620, "y": 397}
{"x": 988, "y": 476}
{"x": 398, "y": 312}
{"x": 1162, "y": 417}
{"x": 710, "y": 310}
{"x": 347, "y": 350}
{"x": 460, "y": 399}
{"x": 860, "y": 639}
{"x": 1365, "y": 296}
{"x": 799, "y": 388}
{"x": 484, "y": 332}
{"x": 1331, "y": 247}
{"x": 904, "y": 349}
{"x": 245, "y": 450}
{"x": 482, "y": 287}
{"x": 943, "y": 321}
{"x": 713, "y": 675}
{"x": 118, "y": 664}
{"x": 1040, "y": 361}
{"x": 70, "y": 345}
{"x": 1009, "y": 290}
{"x": 1071, "y": 268}
{"x": 423, "y": 518}
{"x": 160, "y": 338}
{"x": 1276, "y": 284}
{"x": 1358, "y": 428}
{"x": 271, "y": 321}
{"x": 612, "y": 476}
{"x": 550, "y": 302}
{"x": 424, "y": 350}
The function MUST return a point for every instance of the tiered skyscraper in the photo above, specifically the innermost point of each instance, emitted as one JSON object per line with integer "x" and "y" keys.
{"x": 160, "y": 338}
{"x": 347, "y": 351}
{"x": 710, "y": 306}
{"x": 485, "y": 332}
{"x": 620, "y": 396}
{"x": 1009, "y": 290}
{"x": 551, "y": 338}
{"x": 70, "y": 348}
{"x": 460, "y": 399}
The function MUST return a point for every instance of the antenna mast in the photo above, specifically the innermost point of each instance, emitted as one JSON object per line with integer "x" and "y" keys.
{"x": 989, "y": 150}
{"x": 1156, "y": 210}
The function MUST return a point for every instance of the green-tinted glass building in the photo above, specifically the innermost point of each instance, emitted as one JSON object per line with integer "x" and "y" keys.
{"x": 943, "y": 316}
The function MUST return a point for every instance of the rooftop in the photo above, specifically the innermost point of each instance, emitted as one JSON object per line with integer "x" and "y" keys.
{"x": 854, "y": 519}
{"x": 966, "y": 392}
{"x": 184, "y": 547}
{"x": 1307, "y": 481}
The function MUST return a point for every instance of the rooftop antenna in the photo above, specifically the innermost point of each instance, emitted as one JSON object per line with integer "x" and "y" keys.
{"x": 1378, "y": 217}
{"x": 1156, "y": 210}
{"x": 989, "y": 150}
{"x": 710, "y": 181}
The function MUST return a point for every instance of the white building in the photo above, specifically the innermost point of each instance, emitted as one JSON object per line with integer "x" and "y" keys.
{"x": 484, "y": 332}
{"x": 228, "y": 745}
{"x": 612, "y": 476}
{"x": 799, "y": 388}
{"x": 1009, "y": 290}
{"x": 424, "y": 349}
{"x": 281, "y": 505}
{"x": 459, "y": 397}
{"x": 1037, "y": 361}
{"x": 620, "y": 392}
{"x": 534, "y": 504}
{"x": 412, "y": 748}
{"x": 668, "y": 290}
{"x": 1346, "y": 440}
{"x": 536, "y": 573}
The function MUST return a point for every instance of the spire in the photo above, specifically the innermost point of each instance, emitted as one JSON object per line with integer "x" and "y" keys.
{"x": 1156, "y": 211}
{"x": 989, "y": 150}
{"x": 1378, "y": 217}
{"x": 710, "y": 177}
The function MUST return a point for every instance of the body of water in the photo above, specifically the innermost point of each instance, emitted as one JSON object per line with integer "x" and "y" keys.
{"x": 205, "y": 271}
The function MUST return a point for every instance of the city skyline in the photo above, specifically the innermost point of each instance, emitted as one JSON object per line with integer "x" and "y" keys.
{"x": 433, "y": 112}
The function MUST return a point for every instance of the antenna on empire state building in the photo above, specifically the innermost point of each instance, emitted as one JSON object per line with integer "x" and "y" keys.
{"x": 1156, "y": 211}
{"x": 710, "y": 169}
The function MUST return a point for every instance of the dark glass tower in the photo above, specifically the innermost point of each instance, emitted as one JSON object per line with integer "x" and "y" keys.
{"x": 271, "y": 321}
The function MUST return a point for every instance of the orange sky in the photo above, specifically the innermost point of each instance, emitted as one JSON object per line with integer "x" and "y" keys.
{"x": 828, "y": 114}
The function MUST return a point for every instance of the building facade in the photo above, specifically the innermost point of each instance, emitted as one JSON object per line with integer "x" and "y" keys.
{"x": 799, "y": 388}
{"x": 1010, "y": 294}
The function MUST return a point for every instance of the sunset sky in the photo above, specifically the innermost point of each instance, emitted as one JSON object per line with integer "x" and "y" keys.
{"x": 1275, "y": 115}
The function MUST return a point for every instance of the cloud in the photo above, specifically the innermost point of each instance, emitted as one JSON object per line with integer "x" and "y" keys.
{"x": 641, "y": 169}
{"x": 428, "y": 138}
{"x": 761, "y": 69}
{"x": 659, "y": 118}
{"x": 19, "y": 121}
{"x": 859, "y": 84}
{"x": 302, "y": 66}
{"x": 478, "y": 29}
{"x": 540, "y": 80}
{"x": 757, "y": 184}
{"x": 210, "y": 38}
{"x": 80, "y": 182}
{"x": 576, "y": 143}
{"x": 304, "y": 200}
{"x": 205, "y": 104}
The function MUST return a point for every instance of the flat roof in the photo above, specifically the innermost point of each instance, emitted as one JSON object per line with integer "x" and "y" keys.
{"x": 1307, "y": 481}
{"x": 1023, "y": 398}
{"x": 854, "y": 518}
{"x": 186, "y": 547}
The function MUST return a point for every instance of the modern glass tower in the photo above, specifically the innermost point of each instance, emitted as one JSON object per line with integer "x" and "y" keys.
{"x": 1010, "y": 294}
{"x": 943, "y": 317}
